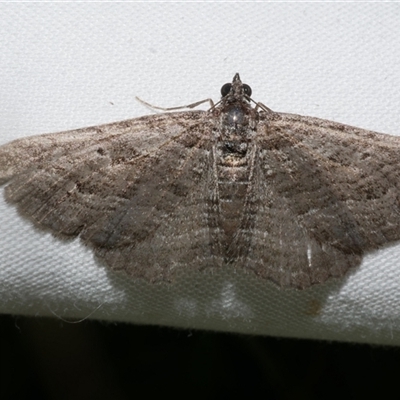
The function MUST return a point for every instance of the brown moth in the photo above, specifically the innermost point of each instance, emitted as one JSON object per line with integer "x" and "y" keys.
{"x": 289, "y": 198}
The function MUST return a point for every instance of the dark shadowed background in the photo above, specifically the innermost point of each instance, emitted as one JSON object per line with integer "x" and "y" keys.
{"x": 43, "y": 358}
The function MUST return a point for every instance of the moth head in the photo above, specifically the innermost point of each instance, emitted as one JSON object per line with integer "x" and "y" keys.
{"x": 236, "y": 88}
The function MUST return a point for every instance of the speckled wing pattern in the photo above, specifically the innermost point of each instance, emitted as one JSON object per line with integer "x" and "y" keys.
{"x": 292, "y": 199}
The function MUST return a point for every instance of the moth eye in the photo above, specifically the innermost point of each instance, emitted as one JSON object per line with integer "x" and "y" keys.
{"x": 247, "y": 90}
{"x": 226, "y": 89}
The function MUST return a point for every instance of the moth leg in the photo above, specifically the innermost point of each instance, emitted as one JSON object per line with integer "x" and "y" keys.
{"x": 193, "y": 105}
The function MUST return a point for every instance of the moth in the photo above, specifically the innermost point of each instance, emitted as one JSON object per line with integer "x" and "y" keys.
{"x": 289, "y": 198}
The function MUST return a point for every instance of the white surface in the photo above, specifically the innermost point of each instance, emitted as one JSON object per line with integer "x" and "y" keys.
{"x": 73, "y": 65}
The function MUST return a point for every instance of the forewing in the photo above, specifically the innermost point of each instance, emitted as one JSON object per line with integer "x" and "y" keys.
{"x": 126, "y": 188}
{"x": 328, "y": 193}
